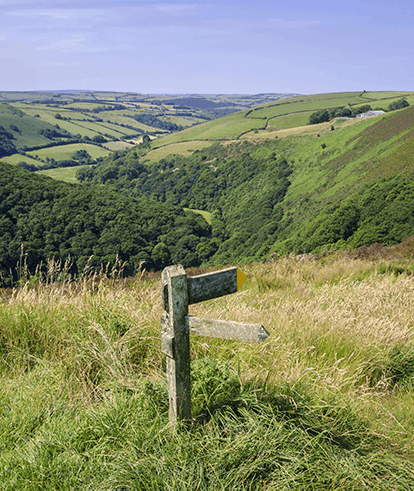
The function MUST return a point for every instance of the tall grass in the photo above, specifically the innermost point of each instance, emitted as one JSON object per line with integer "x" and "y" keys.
{"x": 325, "y": 403}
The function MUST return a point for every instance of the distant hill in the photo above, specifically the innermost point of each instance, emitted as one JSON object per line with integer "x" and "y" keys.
{"x": 31, "y": 121}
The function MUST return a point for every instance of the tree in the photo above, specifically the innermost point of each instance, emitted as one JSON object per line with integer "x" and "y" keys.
{"x": 400, "y": 104}
{"x": 161, "y": 255}
{"x": 321, "y": 116}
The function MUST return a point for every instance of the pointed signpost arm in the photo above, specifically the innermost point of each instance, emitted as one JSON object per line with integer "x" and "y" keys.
{"x": 214, "y": 285}
{"x": 238, "y": 331}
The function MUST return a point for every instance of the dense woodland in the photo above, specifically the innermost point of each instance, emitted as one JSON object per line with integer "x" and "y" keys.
{"x": 41, "y": 219}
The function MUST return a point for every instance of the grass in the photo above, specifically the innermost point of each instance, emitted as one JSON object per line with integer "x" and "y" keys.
{"x": 104, "y": 128}
{"x": 355, "y": 152}
{"x": 75, "y": 127}
{"x": 29, "y": 127}
{"x": 118, "y": 145}
{"x": 290, "y": 121}
{"x": 284, "y": 114}
{"x": 16, "y": 158}
{"x": 325, "y": 403}
{"x": 184, "y": 148}
{"x": 205, "y": 214}
{"x": 226, "y": 128}
{"x": 67, "y": 151}
{"x": 304, "y": 103}
{"x": 66, "y": 174}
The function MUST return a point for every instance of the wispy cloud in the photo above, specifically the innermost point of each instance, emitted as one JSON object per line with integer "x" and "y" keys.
{"x": 294, "y": 24}
{"x": 54, "y": 14}
{"x": 59, "y": 64}
{"x": 74, "y": 44}
{"x": 177, "y": 8}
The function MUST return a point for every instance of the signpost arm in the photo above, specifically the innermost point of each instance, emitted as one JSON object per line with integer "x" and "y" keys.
{"x": 176, "y": 342}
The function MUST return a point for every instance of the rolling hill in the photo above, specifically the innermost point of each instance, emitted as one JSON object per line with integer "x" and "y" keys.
{"x": 299, "y": 190}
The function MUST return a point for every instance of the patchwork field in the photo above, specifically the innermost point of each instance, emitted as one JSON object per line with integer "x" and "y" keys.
{"x": 286, "y": 113}
{"x": 227, "y": 128}
{"x": 117, "y": 145}
{"x": 16, "y": 158}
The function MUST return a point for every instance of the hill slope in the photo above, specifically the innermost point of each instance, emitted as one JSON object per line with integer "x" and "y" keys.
{"x": 298, "y": 193}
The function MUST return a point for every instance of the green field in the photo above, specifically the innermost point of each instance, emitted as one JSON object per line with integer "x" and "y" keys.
{"x": 64, "y": 152}
{"x": 28, "y": 126}
{"x": 303, "y": 104}
{"x": 117, "y": 145}
{"x": 48, "y": 114}
{"x": 102, "y": 128}
{"x": 285, "y": 113}
{"x": 66, "y": 174}
{"x": 226, "y": 128}
{"x": 385, "y": 95}
{"x": 205, "y": 214}
{"x": 118, "y": 117}
{"x": 184, "y": 148}
{"x": 16, "y": 158}
{"x": 119, "y": 129}
{"x": 289, "y": 121}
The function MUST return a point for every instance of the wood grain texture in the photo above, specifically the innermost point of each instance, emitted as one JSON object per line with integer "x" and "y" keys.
{"x": 211, "y": 285}
{"x": 238, "y": 331}
{"x": 176, "y": 342}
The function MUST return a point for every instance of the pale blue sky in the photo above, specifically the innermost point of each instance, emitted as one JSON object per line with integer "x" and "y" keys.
{"x": 215, "y": 46}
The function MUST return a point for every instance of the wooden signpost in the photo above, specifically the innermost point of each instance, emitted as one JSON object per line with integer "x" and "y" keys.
{"x": 178, "y": 292}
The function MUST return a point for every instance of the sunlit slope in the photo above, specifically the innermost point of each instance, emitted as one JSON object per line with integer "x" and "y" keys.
{"x": 331, "y": 161}
{"x": 25, "y": 129}
{"x": 225, "y": 128}
{"x": 282, "y": 114}
{"x": 350, "y": 186}
{"x": 280, "y": 194}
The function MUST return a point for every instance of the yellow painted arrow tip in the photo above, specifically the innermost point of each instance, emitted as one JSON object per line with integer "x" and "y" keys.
{"x": 241, "y": 278}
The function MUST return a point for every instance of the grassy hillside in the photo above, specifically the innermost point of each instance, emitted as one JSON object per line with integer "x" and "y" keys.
{"x": 326, "y": 402}
{"x": 65, "y": 174}
{"x": 25, "y": 129}
{"x": 269, "y": 193}
{"x": 285, "y": 113}
{"x": 68, "y": 151}
{"x": 269, "y": 190}
{"x": 32, "y": 120}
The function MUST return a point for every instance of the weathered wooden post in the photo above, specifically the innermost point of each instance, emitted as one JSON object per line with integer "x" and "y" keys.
{"x": 178, "y": 292}
{"x": 175, "y": 341}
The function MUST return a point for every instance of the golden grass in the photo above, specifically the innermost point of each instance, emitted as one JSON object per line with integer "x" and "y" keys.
{"x": 183, "y": 148}
{"x": 270, "y": 133}
{"x": 333, "y": 323}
